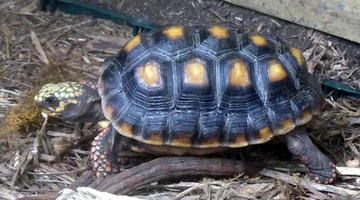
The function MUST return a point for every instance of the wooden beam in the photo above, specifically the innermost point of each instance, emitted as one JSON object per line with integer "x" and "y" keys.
{"x": 335, "y": 17}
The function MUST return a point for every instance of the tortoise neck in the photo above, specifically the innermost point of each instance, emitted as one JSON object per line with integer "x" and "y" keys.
{"x": 90, "y": 106}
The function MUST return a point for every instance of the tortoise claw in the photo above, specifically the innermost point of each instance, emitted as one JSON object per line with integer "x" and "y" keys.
{"x": 324, "y": 175}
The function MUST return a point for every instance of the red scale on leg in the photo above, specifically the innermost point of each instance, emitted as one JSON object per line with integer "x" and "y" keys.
{"x": 103, "y": 132}
{"x": 108, "y": 163}
{"x": 96, "y": 165}
{"x": 102, "y": 155}
{"x": 93, "y": 149}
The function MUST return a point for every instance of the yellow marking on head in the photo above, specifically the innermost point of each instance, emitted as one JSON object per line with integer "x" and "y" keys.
{"x": 125, "y": 129}
{"x": 240, "y": 141}
{"x": 195, "y": 73}
{"x": 133, "y": 43}
{"x": 285, "y": 127}
{"x": 265, "y": 135}
{"x": 155, "y": 139}
{"x": 63, "y": 104}
{"x": 211, "y": 142}
{"x": 219, "y": 32}
{"x": 174, "y": 32}
{"x": 59, "y": 90}
{"x": 258, "y": 40}
{"x": 298, "y": 56}
{"x": 149, "y": 74}
{"x": 276, "y": 71}
{"x": 77, "y": 93}
{"x": 305, "y": 117}
{"x": 182, "y": 140}
{"x": 239, "y": 75}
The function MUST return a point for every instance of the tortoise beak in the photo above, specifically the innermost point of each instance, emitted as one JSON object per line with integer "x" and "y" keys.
{"x": 48, "y": 113}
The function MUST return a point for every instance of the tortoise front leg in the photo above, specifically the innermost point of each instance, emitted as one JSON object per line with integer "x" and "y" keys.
{"x": 321, "y": 168}
{"x": 104, "y": 151}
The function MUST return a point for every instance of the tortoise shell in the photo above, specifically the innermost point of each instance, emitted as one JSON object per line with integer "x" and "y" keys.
{"x": 207, "y": 87}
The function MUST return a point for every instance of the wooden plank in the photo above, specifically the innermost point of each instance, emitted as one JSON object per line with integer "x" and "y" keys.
{"x": 335, "y": 17}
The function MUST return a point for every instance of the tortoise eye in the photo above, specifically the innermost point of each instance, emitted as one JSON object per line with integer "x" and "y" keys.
{"x": 51, "y": 100}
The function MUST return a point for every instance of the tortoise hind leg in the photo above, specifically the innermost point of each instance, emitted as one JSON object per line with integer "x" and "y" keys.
{"x": 321, "y": 168}
{"x": 104, "y": 151}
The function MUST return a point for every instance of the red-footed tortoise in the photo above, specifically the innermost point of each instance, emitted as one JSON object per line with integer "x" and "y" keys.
{"x": 197, "y": 88}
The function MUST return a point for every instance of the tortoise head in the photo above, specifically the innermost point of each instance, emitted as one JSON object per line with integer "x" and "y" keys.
{"x": 70, "y": 101}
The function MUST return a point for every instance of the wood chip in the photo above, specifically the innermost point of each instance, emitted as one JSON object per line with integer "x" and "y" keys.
{"x": 348, "y": 171}
{"x": 86, "y": 193}
{"x": 39, "y": 48}
{"x": 310, "y": 185}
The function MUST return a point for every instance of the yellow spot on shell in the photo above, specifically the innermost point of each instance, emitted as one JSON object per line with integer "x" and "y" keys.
{"x": 133, "y": 43}
{"x": 181, "y": 141}
{"x": 149, "y": 74}
{"x": 155, "y": 139}
{"x": 174, "y": 32}
{"x": 258, "y": 40}
{"x": 240, "y": 141}
{"x": 276, "y": 72}
{"x": 219, "y": 32}
{"x": 305, "y": 117}
{"x": 109, "y": 112}
{"x": 125, "y": 129}
{"x": 286, "y": 126}
{"x": 195, "y": 73}
{"x": 298, "y": 56}
{"x": 211, "y": 142}
{"x": 265, "y": 135}
{"x": 239, "y": 75}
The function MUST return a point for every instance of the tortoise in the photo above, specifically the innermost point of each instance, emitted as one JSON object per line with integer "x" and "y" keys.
{"x": 197, "y": 89}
